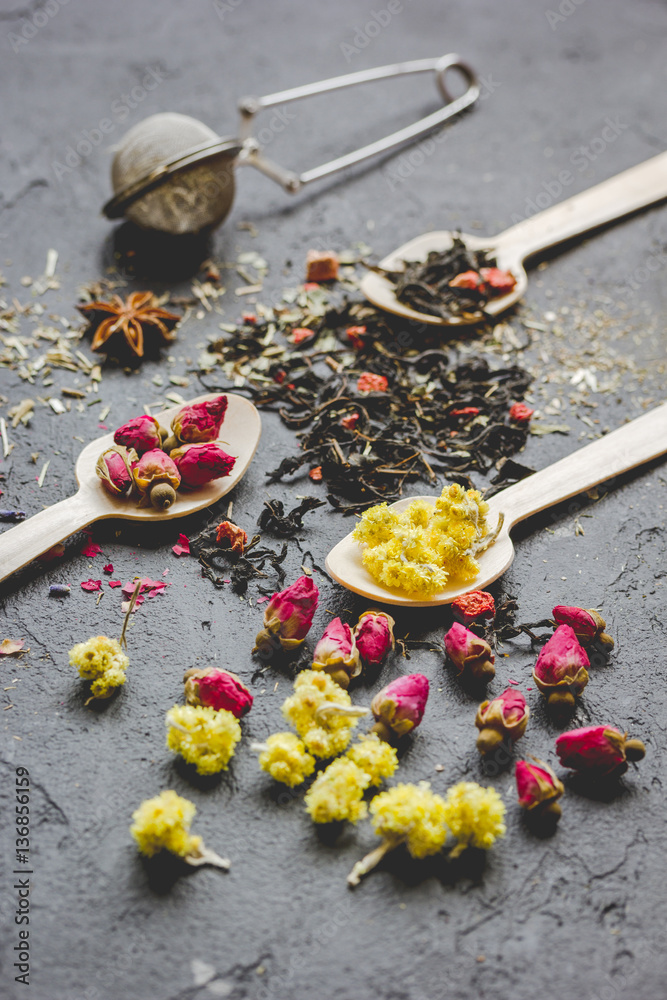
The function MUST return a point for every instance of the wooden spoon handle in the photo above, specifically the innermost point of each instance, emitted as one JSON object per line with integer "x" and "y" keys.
{"x": 22, "y": 544}
{"x": 627, "y": 192}
{"x": 631, "y": 445}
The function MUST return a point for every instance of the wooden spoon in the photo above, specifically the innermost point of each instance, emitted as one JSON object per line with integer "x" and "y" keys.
{"x": 239, "y": 434}
{"x": 633, "y": 444}
{"x": 627, "y": 192}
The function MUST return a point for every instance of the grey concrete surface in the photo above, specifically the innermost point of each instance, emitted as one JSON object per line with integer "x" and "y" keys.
{"x": 580, "y": 916}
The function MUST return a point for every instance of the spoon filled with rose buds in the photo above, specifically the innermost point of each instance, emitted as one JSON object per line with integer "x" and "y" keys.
{"x": 150, "y": 469}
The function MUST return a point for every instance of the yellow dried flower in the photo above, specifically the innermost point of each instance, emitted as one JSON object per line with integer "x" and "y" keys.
{"x": 421, "y": 548}
{"x": 285, "y": 758}
{"x": 475, "y": 815}
{"x": 375, "y": 757}
{"x": 411, "y": 813}
{"x": 337, "y": 793}
{"x": 102, "y": 661}
{"x": 325, "y": 733}
{"x": 406, "y": 814}
{"x": 203, "y": 736}
{"x": 163, "y": 823}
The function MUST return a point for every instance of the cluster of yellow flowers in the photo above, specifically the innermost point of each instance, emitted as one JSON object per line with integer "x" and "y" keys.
{"x": 324, "y": 734}
{"x": 286, "y": 759}
{"x": 337, "y": 793}
{"x": 415, "y": 816}
{"x": 419, "y": 549}
{"x": 101, "y": 661}
{"x": 203, "y": 736}
{"x": 163, "y": 823}
{"x": 377, "y": 758}
{"x": 475, "y": 815}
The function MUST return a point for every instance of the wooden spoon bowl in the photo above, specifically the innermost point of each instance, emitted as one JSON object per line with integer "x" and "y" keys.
{"x": 239, "y": 435}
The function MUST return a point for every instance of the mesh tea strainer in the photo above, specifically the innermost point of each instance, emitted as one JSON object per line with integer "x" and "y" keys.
{"x": 173, "y": 174}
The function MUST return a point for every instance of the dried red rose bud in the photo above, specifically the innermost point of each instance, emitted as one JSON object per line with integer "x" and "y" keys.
{"x": 350, "y": 422}
{"x": 474, "y": 605}
{"x": 497, "y": 282}
{"x": 157, "y": 479}
{"x": 370, "y": 382}
{"x": 356, "y": 334}
{"x": 114, "y": 467}
{"x": 561, "y": 669}
{"x": 520, "y": 413}
{"x": 469, "y": 654}
{"x": 588, "y": 626}
{"x": 218, "y": 689}
{"x": 337, "y": 653}
{"x": 236, "y": 537}
{"x": 504, "y": 717}
{"x": 289, "y": 615}
{"x": 602, "y": 749}
{"x": 399, "y": 707}
{"x": 467, "y": 279}
{"x": 141, "y": 433}
{"x": 200, "y": 421}
{"x": 374, "y": 633}
{"x": 538, "y": 789}
{"x": 201, "y": 463}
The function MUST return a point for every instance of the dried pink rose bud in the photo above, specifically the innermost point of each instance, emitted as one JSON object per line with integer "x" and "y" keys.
{"x": 157, "y": 479}
{"x": 399, "y": 707}
{"x": 588, "y": 626}
{"x": 218, "y": 689}
{"x": 504, "y": 716}
{"x": 114, "y": 467}
{"x": 374, "y": 633}
{"x": 200, "y": 421}
{"x": 337, "y": 653}
{"x": 469, "y": 653}
{"x": 561, "y": 669}
{"x": 602, "y": 749}
{"x": 141, "y": 433}
{"x": 538, "y": 789}
{"x": 289, "y": 615}
{"x": 200, "y": 463}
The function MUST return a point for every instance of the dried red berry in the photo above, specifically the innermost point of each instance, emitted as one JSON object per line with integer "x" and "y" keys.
{"x": 301, "y": 335}
{"x": 356, "y": 334}
{"x": 370, "y": 382}
{"x": 476, "y": 604}
{"x": 465, "y": 411}
{"x": 520, "y": 413}
{"x": 467, "y": 279}
{"x": 496, "y": 282}
{"x": 316, "y": 474}
{"x": 350, "y": 422}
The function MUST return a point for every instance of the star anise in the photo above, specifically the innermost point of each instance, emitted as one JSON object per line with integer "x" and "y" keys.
{"x": 126, "y": 322}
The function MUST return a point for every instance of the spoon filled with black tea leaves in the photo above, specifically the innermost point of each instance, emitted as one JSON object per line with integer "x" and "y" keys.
{"x": 455, "y": 279}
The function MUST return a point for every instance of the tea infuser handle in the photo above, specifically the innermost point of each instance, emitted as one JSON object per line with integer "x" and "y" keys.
{"x": 291, "y": 181}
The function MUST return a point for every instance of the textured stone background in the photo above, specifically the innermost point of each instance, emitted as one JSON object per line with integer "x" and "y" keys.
{"x": 579, "y": 916}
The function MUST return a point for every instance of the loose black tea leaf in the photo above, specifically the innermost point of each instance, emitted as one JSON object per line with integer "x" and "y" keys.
{"x": 273, "y": 518}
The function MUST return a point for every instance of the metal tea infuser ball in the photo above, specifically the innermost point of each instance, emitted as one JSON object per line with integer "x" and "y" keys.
{"x": 174, "y": 174}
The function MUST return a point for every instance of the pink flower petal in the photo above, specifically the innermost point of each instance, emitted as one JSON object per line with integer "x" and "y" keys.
{"x": 91, "y": 585}
{"x": 115, "y": 583}
{"x": 108, "y": 568}
{"x": 182, "y": 547}
{"x": 91, "y": 550}
{"x": 9, "y": 647}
